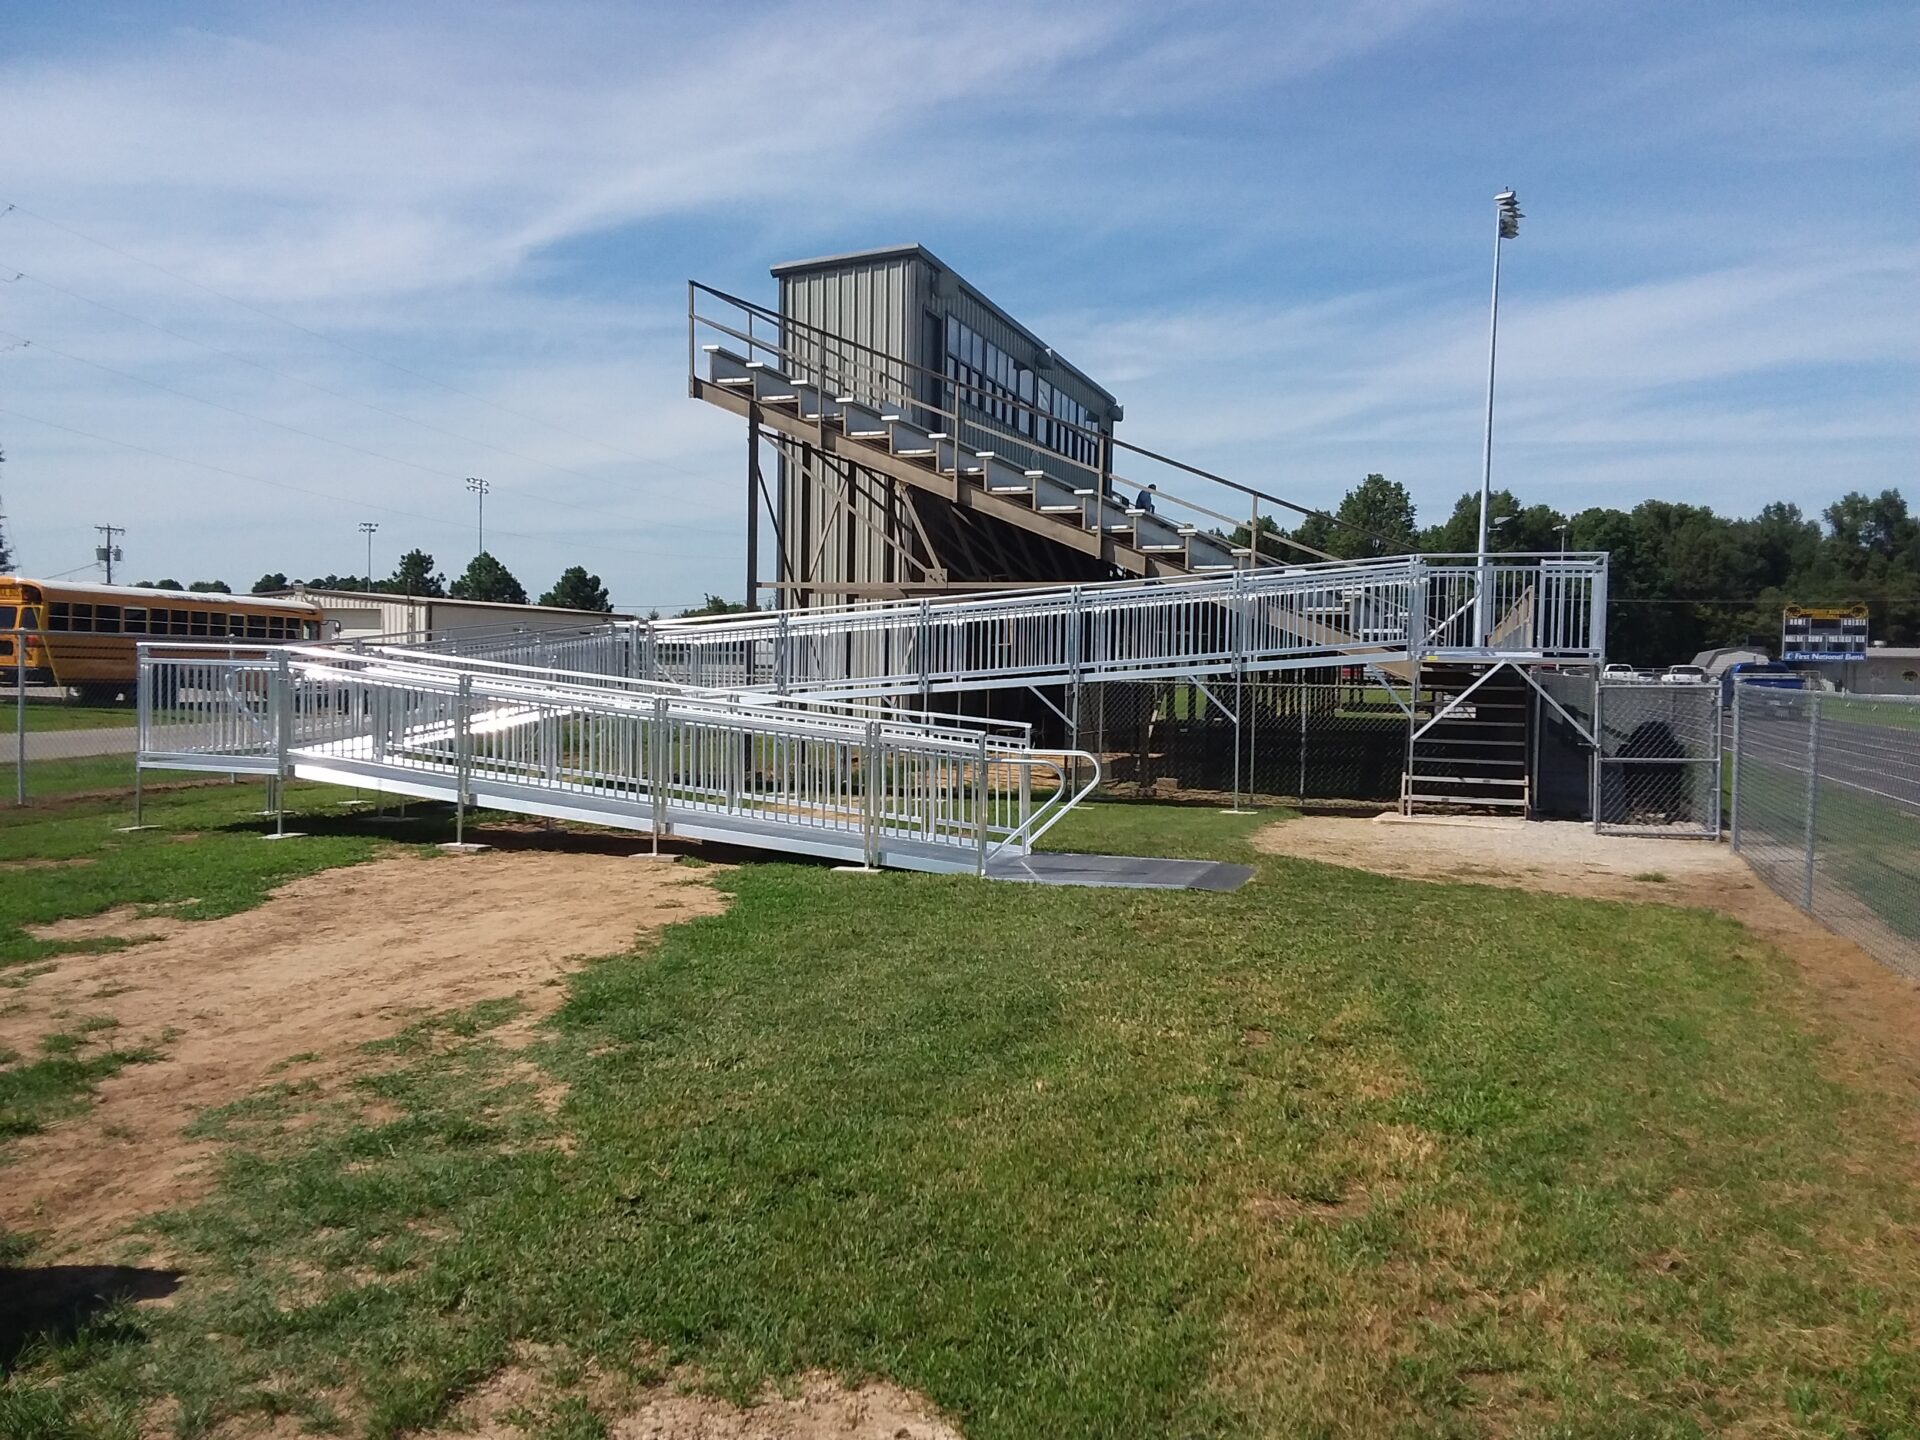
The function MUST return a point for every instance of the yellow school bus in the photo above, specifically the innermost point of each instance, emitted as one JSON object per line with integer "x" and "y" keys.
{"x": 85, "y": 636}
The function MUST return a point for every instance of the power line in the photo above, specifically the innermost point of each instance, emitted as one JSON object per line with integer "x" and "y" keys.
{"x": 319, "y": 335}
{"x": 435, "y": 521}
{"x": 401, "y": 416}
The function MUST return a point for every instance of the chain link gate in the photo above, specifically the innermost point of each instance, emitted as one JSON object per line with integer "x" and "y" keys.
{"x": 1657, "y": 764}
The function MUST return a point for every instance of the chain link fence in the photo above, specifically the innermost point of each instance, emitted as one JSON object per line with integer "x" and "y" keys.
{"x": 51, "y": 746}
{"x": 1310, "y": 735}
{"x": 1826, "y": 809}
{"x": 1657, "y": 764}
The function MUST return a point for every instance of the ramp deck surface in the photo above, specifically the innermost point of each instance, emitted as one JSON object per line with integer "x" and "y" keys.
{"x": 1120, "y": 872}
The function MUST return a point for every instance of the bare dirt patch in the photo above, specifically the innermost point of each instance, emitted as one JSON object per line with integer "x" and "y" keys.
{"x": 817, "y": 1406}
{"x": 1872, "y": 1003}
{"x": 36, "y": 864}
{"x": 328, "y": 962}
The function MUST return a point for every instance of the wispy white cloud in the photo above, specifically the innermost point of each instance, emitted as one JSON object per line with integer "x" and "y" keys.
{"x": 507, "y": 200}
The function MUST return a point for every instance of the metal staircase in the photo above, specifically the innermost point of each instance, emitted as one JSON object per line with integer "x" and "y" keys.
{"x": 923, "y": 429}
{"x": 1471, "y": 752}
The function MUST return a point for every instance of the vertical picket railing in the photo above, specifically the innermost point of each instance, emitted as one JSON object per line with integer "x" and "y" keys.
{"x": 851, "y": 774}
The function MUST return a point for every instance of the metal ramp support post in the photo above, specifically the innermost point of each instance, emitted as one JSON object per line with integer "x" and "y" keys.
{"x": 980, "y": 805}
{"x": 1733, "y": 826}
{"x": 462, "y": 757}
{"x": 1813, "y": 800}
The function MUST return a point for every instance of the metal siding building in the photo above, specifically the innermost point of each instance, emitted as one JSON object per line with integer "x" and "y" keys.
{"x": 362, "y": 615}
{"x": 893, "y": 321}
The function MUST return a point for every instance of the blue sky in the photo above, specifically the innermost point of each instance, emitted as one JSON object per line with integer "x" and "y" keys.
{"x": 456, "y": 240}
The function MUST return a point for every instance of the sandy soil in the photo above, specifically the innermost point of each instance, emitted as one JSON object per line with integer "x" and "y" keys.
{"x": 328, "y": 962}
{"x": 816, "y": 1407}
{"x": 1876, "y": 1006}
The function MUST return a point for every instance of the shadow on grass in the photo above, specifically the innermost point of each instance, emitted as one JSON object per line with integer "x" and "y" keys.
{"x": 50, "y": 1304}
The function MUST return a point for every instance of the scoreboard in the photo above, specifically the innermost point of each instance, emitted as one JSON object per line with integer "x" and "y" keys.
{"x": 1835, "y": 632}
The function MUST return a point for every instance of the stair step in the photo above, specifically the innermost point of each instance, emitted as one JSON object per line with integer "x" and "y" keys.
{"x": 909, "y": 442}
{"x": 862, "y": 422}
{"x": 1462, "y": 802}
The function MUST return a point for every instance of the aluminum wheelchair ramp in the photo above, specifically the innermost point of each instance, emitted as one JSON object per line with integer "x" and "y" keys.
{"x": 842, "y": 781}
{"x": 1391, "y": 614}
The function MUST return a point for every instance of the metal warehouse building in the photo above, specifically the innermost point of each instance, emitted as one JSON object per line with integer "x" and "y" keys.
{"x": 413, "y": 619}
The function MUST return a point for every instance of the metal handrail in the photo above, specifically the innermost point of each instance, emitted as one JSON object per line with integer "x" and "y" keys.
{"x": 1583, "y": 559}
{"x": 1378, "y": 611}
{"x": 755, "y": 769}
{"x": 851, "y": 710}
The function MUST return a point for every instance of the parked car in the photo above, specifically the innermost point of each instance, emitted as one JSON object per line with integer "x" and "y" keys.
{"x": 1618, "y": 673}
{"x": 1770, "y": 676}
{"x": 1684, "y": 675}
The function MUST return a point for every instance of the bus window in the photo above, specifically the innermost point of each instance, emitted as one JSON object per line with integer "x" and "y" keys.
{"x": 57, "y": 616}
{"x": 276, "y": 628}
{"x": 256, "y": 627}
{"x": 133, "y": 620}
{"x": 106, "y": 619}
{"x": 9, "y": 617}
{"x": 176, "y": 622}
{"x": 82, "y": 617}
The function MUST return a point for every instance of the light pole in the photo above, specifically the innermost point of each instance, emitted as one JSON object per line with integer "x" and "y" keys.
{"x": 1561, "y": 530}
{"x": 1506, "y": 208}
{"x": 367, "y": 527}
{"x": 479, "y": 489}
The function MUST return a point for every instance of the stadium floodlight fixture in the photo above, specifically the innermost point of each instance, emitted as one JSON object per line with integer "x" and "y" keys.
{"x": 1510, "y": 214}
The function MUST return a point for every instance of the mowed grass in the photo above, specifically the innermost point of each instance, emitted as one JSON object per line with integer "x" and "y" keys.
{"x": 66, "y": 715}
{"x": 1332, "y": 1155}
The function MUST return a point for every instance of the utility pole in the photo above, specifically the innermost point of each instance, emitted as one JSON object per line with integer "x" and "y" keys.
{"x": 367, "y": 527}
{"x": 108, "y": 552}
{"x": 479, "y": 489}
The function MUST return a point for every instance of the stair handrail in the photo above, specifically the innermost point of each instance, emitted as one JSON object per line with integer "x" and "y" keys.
{"x": 878, "y": 372}
{"x": 1023, "y": 838}
{"x": 855, "y": 711}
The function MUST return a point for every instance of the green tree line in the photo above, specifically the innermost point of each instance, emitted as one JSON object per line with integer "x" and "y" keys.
{"x": 485, "y": 578}
{"x": 1681, "y": 578}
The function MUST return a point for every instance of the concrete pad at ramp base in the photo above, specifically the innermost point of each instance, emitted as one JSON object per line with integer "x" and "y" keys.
{"x": 1121, "y": 872}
